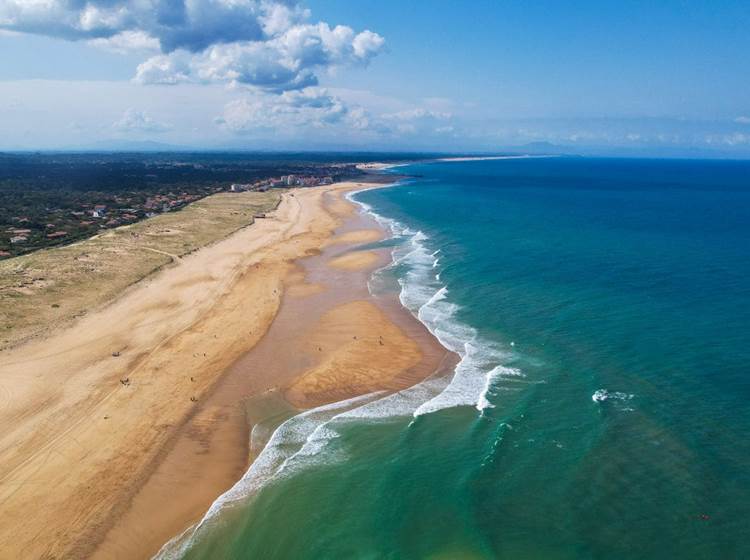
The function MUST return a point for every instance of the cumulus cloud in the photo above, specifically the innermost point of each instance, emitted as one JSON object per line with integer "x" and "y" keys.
{"x": 269, "y": 44}
{"x": 164, "y": 69}
{"x": 189, "y": 24}
{"x": 285, "y": 62}
{"x": 139, "y": 121}
{"x": 316, "y": 108}
{"x": 311, "y": 107}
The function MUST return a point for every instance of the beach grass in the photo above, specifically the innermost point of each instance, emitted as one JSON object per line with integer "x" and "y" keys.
{"x": 48, "y": 288}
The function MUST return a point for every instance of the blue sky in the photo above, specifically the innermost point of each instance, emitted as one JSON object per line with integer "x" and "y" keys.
{"x": 629, "y": 77}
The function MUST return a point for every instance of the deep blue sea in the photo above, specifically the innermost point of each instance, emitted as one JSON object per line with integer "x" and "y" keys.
{"x": 601, "y": 408}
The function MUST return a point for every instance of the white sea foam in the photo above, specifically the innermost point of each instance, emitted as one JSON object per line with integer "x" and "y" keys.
{"x": 496, "y": 374}
{"x": 302, "y": 435}
{"x": 601, "y": 395}
{"x": 423, "y": 293}
{"x": 298, "y": 443}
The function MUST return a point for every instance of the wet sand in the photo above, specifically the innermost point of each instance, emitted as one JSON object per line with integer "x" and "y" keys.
{"x": 355, "y": 261}
{"x": 115, "y": 469}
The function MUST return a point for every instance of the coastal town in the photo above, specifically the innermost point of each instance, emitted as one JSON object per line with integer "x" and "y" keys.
{"x": 281, "y": 182}
{"x": 34, "y": 218}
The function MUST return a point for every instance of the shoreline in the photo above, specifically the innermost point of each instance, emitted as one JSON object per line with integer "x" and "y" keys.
{"x": 323, "y": 303}
{"x": 213, "y": 432}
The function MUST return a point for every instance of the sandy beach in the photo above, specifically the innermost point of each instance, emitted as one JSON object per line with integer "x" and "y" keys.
{"x": 121, "y": 429}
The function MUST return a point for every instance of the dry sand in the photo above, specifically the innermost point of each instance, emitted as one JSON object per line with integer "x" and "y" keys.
{"x": 110, "y": 456}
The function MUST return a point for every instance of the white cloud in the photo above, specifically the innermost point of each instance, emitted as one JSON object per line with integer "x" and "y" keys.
{"x": 742, "y": 120}
{"x": 192, "y": 25}
{"x": 280, "y": 16}
{"x": 316, "y": 108}
{"x": 139, "y": 121}
{"x": 359, "y": 119}
{"x": 285, "y": 62}
{"x": 165, "y": 69}
{"x": 264, "y": 43}
{"x": 366, "y": 44}
{"x": 299, "y": 111}
{"x": 288, "y": 112}
{"x": 127, "y": 41}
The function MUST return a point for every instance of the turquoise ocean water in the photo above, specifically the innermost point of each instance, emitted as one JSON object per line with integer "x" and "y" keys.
{"x": 601, "y": 309}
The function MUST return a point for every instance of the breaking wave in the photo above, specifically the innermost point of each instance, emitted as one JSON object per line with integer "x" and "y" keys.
{"x": 603, "y": 395}
{"x": 422, "y": 292}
